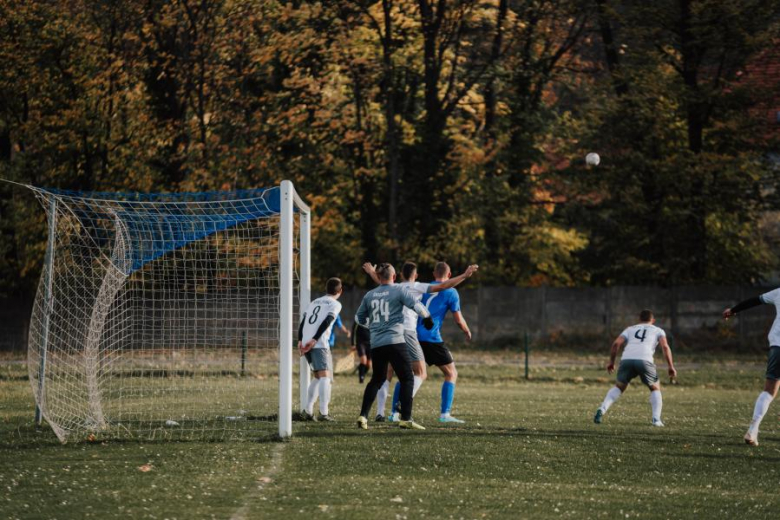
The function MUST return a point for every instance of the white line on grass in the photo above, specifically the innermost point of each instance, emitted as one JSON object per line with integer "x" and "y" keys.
{"x": 274, "y": 466}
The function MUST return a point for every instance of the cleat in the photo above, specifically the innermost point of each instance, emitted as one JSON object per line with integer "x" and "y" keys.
{"x": 362, "y": 423}
{"x": 751, "y": 440}
{"x": 450, "y": 419}
{"x": 658, "y": 423}
{"x": 308, "y": 417}
{"x": 326, "y": 418}
{"x": 361, "y": 379}
{"x": 394, "y": 417}
{"x": 598, "y": 416}
{"x": 410, "y": 425}
{"x": 380, "y": 418}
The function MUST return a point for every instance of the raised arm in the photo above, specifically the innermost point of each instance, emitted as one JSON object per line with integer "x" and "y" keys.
{"x": 460, "y": 321}
{"x": 613, "y": 352}
{"x": 370, "y": 270}
{"x": 452, "y": 282}
{"x": 668, "y": 355}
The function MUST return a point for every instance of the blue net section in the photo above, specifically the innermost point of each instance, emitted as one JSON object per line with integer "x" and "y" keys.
{"x": 157, "y": 223}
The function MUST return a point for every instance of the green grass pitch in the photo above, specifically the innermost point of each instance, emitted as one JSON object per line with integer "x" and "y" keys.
{"x": 528, "y": 450}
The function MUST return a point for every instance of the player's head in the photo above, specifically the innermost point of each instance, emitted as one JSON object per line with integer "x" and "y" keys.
{"x": 386, "y": 273}
{"x": 409, "y": 271}
{"x": 646, "y": 316}
{"x": 442, "y": 271}
{"x": 333, "y": 287}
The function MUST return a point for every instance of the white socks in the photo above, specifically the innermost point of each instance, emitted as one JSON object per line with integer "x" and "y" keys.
{"x": 612, "y": 396}
{"x": 762, "y": 405}
{"x": 656, "y": 403}
{"x": 324, "y": 395}
{"x": 418, "y": 381}
{"x": 381, "y": 397}
{"x": 313, "y": 386}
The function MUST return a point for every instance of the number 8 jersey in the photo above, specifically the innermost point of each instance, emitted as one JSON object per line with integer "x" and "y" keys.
{"x": 641, "y": 341}
{"x": 316, "y": 313}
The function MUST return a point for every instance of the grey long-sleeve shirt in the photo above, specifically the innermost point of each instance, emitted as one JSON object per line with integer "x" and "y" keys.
{"x": 382, "y": 308}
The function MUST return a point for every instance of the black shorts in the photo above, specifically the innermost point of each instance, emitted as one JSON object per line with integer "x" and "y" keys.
{"x": 436, "y": 354}
{"x": 363, "y": 349}
{"x": 773, "y": 363}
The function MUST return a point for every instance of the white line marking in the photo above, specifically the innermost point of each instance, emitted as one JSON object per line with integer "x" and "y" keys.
{"x": 275, "y": 466}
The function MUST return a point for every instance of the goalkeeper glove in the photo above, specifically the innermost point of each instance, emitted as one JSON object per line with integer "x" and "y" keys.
{"x": 428, "y": 323}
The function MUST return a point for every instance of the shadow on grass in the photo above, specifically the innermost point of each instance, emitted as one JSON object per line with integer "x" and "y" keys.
{"x": 665, "y": 438}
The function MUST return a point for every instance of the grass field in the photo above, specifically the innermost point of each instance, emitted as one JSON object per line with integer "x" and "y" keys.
{"x": 528, "y": 450}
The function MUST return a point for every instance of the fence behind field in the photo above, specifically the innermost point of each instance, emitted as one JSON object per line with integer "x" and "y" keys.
{"x": 498, "y": 315}
{"x": 690, "y": 314}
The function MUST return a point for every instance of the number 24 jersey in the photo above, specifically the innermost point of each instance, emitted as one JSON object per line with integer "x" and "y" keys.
{"x": 641, "y": 341}
{"x": 382, "y": 311}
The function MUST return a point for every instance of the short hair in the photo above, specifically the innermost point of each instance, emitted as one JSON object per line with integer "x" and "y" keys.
{"x": 333, "y": 286}
{"x": 385, "y": 271}
{"x": 408, "y": 269}
{"x": 441, "y": 269}
{"x": 646, "y": 315}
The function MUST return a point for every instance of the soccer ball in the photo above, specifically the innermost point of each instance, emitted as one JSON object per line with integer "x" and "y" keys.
{"x": 592, "y": 159}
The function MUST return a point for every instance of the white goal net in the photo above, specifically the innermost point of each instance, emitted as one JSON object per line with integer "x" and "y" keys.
{"x": 168, "y": 315}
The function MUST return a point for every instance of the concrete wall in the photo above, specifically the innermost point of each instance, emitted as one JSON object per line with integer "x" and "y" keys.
{"x": 14, "y": 324}
{"x": 504, "y": 314}
{"x": 690, "y": 314}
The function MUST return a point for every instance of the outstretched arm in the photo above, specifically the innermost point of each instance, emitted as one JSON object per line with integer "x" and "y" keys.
{"x": 370, "y": 270}
{"x": 460, "y": 321}
{"x": 742, "y": 306}
{"x": 613, "y": 352}
{"x": 421, "y": 310}
{"x": 452, "y": 282}
{"x": 668, "y": 355}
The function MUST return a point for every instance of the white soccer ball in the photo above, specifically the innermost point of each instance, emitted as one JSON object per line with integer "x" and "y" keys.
{"x": 592, "y": 159}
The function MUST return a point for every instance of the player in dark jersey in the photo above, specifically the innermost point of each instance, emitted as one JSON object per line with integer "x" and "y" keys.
{"x": 361, "y": 342}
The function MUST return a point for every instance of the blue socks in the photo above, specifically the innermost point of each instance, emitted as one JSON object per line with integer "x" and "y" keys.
{"x": 396, "y": 398}
{"x": 447, "y": 395}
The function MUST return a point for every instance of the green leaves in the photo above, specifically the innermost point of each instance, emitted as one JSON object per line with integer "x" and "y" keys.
{"x": 420, "y": 130}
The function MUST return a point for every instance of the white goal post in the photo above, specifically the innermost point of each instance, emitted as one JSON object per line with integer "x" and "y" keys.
{"x": 170, "y": 315}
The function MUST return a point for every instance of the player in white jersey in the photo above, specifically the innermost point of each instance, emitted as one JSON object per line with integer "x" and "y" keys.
{"x": 772, "y": 382}
{"x": 313, "y": 342}
{"x": 640, "y": 342}
{"x": 416, "y": 289}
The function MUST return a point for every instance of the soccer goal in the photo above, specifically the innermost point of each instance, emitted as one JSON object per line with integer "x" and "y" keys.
{"x": 169, "y": 315}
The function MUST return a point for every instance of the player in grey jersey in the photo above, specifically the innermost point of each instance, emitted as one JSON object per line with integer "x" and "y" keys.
{"x": 417, "y": 289}
{"x": 382, "y": 310}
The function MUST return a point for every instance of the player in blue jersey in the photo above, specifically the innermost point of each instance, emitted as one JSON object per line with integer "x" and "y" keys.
{"x": 340, "y": 326}
{"x": 434, "y": 350}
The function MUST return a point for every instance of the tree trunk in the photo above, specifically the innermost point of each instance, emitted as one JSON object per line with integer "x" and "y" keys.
{"x": 611, "y": 53}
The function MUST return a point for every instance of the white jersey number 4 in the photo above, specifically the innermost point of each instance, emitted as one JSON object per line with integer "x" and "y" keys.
{"x": 380, "y": 308}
